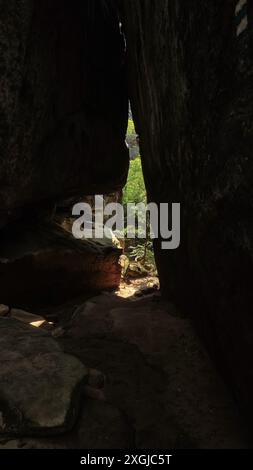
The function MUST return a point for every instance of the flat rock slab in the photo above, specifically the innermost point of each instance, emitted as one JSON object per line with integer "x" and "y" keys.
{"x": 29, "y": 318}
{"x": 100, "y": 426}
{"x": 39, "y": 384}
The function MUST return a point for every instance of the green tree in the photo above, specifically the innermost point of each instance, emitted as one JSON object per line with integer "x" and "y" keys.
{"x": 135, "y": 190}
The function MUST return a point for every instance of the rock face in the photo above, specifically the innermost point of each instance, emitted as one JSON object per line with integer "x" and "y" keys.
{"x": 190, "y": 71}
{"x": 100, "y": 426}
{"x": 63, "y": 102}
{"x": 156, "y": 371}
{"x": 44, "y": 265}
{"x": 39, "y": 384}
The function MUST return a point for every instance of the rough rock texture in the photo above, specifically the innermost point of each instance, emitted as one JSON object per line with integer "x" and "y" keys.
{"x": 40, "y": 265}
{"x": 39, "y": 384}
{"x": 100, "y": 426}
{"x": 157, "y": 372}
{"x": 191, "y": 86}
{"x": 159, "y": 387}
{"x": 63, "y": 102}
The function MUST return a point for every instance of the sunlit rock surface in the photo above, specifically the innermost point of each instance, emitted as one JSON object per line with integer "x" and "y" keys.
{"x": 43, "y": 265}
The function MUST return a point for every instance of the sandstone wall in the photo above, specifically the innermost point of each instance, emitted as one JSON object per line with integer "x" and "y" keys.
{"x": 190, "y": 72}
{"x": 63, "y": 102}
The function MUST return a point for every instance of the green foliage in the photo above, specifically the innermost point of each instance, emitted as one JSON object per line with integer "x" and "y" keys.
{"x": 131, "y": 128}
{"x": 134, "y": 190}
{"x": 142, "y": 253}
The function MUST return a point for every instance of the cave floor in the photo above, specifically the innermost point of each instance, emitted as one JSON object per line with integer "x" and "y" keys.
{"x": 160, "y": 388}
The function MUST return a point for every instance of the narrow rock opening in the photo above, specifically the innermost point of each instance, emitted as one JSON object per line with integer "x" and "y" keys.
{"x": 139, "y": 272}
{"x": 85, "y": 362}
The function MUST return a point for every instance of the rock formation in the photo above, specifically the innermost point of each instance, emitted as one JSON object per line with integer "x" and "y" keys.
{"x": 63, "y": 102}
{"x": 39, "y": 383}
{"x": 44, "y": 265}
{"x": 159, "y": 388}
{"x": 190, "y": 72}
{"x": 63, "y": 118}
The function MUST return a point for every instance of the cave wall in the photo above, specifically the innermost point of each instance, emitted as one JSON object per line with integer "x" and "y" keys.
{"x": 190, "y": 68}
{"x": 63, "y": 102}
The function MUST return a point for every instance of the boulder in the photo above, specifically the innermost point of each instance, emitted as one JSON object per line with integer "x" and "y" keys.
{"x": 44, "y": 265}
{"x": 63, "y": 103}
{"x": 190, "y": 74}
{"x": 40, "y": 386}
{"x": 101, "y": 426}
